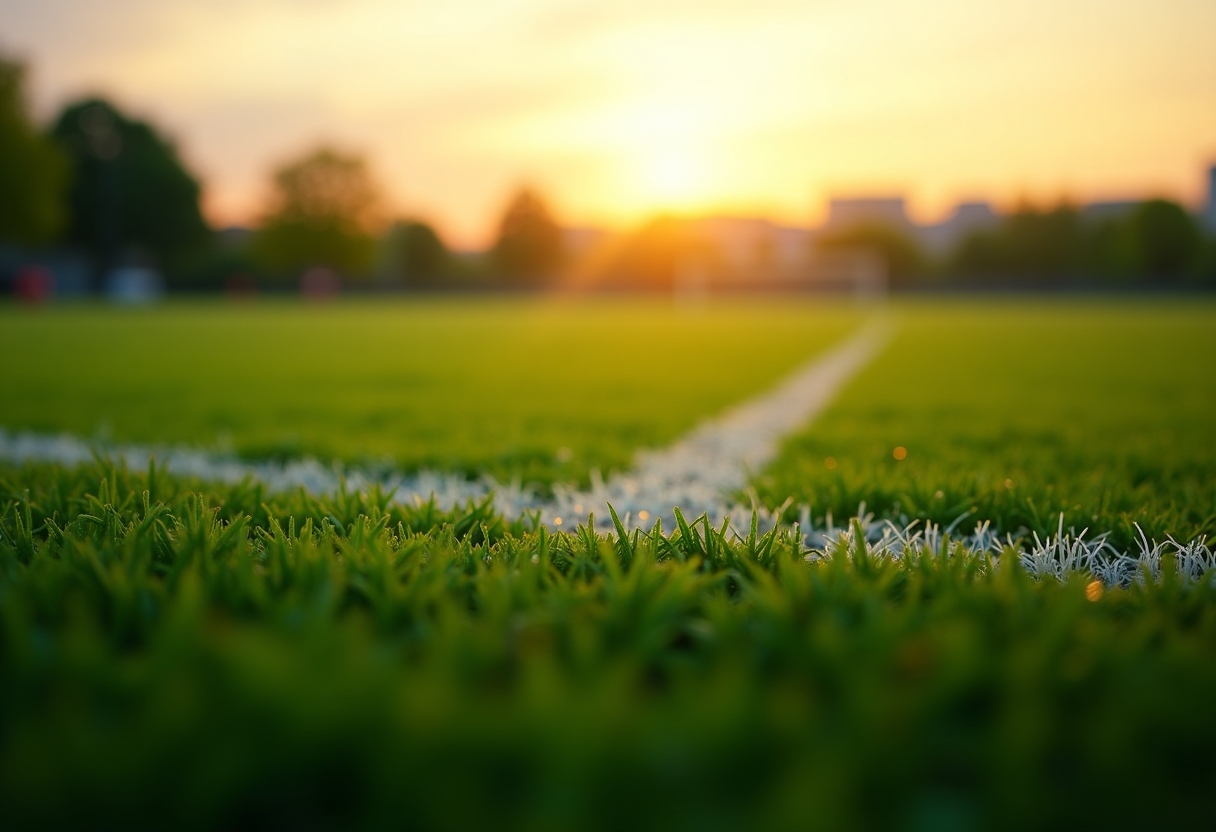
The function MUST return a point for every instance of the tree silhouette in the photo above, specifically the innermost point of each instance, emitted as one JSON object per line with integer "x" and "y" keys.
{"x": 129, "y": 188}
{"x": 1031, "y": 242}
{"x": 417, "y": 257}
{"x": 1165, "y": 239}
{"x": 33, "y": 171}
{"x": 902, "y": 257}
{"x": 1153, "y": 241}
{"x": 529, "y": 247}
{"x": 322, "y": 211}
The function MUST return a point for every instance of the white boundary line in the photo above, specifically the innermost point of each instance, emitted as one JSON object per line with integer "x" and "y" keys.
{"x": 699, "y": 473}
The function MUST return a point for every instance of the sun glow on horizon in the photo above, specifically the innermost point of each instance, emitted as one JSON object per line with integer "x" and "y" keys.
{"x": 616, "y": 111}
{"x": 671, "y": 179}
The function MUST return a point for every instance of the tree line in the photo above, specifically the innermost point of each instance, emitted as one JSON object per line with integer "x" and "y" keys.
{"x": 113, "y": 189}
{"x": 1155, "y": 243}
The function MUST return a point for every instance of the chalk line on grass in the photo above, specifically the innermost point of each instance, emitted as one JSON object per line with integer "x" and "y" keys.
{"x": 1057, "y": 556}
{"x": 701, "y": 471}
{"x": 310, "y": 474}
{"x": 698, "y": 473}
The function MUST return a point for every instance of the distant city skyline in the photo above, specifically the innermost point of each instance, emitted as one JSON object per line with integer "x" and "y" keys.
{"x": 618, "y": 111}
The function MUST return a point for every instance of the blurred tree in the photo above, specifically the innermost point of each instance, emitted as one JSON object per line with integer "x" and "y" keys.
{"x": 904, "y": 260}
{"x": 228, "y": 266}
{"x": 129, "y": 188}
{"x": 33, "y": 170}
{"x": 1163, "y": 239}
{"x": 322, "y": 212}
{"x": 1205, "y": 268}
{"x": 529, "y": 247}
{"x": 416, "y": 255}
{"x": 1156, "y": 240}
{"x": 1050, "y": 242}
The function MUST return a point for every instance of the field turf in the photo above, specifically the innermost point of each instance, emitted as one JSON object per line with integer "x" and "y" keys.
{"x": 1017, "y": 412}
{"x": 179, "y": 654}
{"x": 516, "y": 388}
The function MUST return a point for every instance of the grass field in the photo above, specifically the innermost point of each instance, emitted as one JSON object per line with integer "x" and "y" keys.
{"x": 539, "y": 390}
{"x": 177, "y": 653}
{"x": 1017, "y": 412}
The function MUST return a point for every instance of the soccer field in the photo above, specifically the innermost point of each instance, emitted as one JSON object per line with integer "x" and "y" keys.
{"x": 1010, "y": 411}
{"x": 177, "y": 651}
{"x": 1017, "y": 412}
{"x": 542, "y": 390}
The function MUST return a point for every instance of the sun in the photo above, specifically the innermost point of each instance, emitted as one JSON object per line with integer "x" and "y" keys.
{"x": 672, "y": 178}
{"x": 669, "y": 175}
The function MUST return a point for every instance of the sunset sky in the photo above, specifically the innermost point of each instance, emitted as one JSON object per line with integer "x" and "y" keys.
{"x": 617, "y": 110}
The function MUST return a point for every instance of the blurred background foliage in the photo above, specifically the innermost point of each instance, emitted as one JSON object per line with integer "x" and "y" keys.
{"x": 130, "y": 192}
{"x": 33, "y": 169}
{"x": 905, "y": 262}
{"x": 529, "y": 247}
{"x": 323, "y": 211}
{"x": 1155, "y": 241}
{"x": 111, "y": 191}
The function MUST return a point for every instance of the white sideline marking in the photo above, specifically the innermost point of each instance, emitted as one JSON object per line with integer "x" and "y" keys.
{"x": 701, "y": 471}
{"x": 1058, "y": 556}
{"x": 698, "y": 473}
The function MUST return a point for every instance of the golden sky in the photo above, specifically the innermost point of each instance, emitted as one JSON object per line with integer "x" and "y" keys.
{"x": 617, "y": 110}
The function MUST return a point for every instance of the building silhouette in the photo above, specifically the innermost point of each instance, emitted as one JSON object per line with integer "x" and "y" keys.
{"x": 846, "y": 212}
{"x": 1209, "y": 209}
{"x": 967, "y": 218}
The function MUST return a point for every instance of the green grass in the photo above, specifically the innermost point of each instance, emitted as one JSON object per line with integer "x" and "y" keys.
{"x": 178, "y": 656}
{"x": 473, "y": 385}
{"x": 1019, "y": 411}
